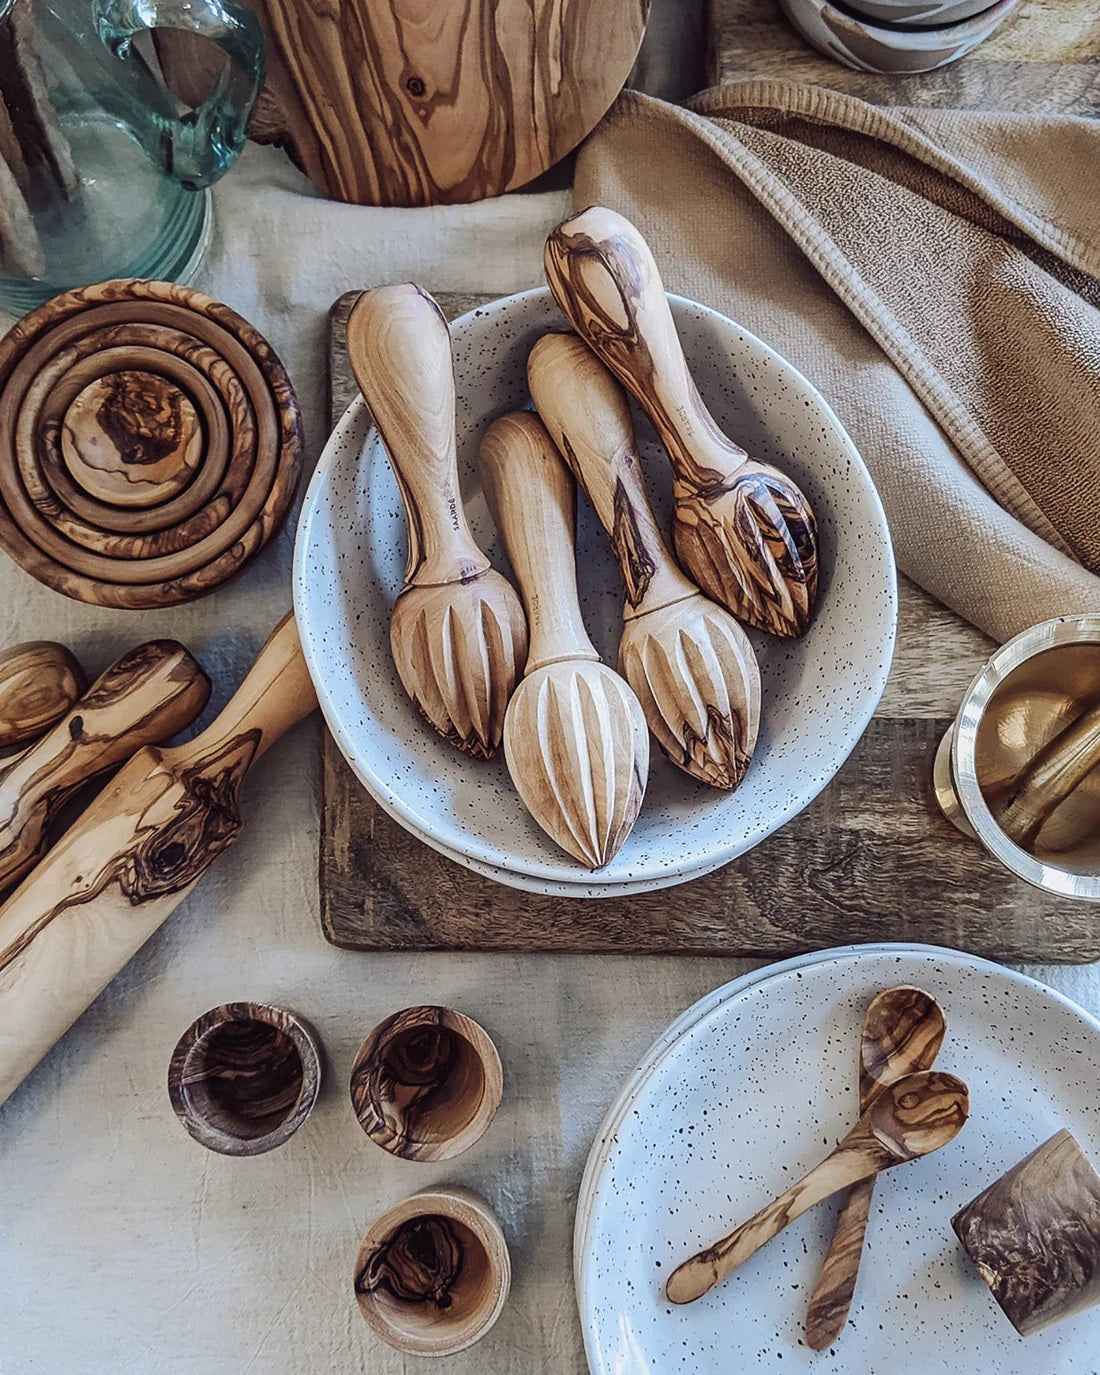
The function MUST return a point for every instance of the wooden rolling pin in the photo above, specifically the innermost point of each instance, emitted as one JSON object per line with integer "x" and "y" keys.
{"x": 743, "y": 530}
{"x": 687, "y": 659}
{"x": 149, "y": 694}
{"x": 457, "y": 633}
{"x": 39, "y": 682}
{"x": 1059, "y": 768}
{"x": 132, "y": 857}
{"x": 575, "y": 737}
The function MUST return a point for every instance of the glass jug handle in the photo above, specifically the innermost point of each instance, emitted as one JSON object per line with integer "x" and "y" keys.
{"x": 200, "y": 145}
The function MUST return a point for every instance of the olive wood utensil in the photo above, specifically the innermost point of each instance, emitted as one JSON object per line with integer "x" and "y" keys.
{"x": 146, "y": 696}
{"x": 903, "y": 1030}
{"x": 743, "y": 530}
{"x": 1055, "y": 772}
{"x": 687, "y": 659}
{"x": 39, "y": 682}
{"x": 910, "y": 1118}
{"x": 457, "y": 632}
{"x": 132, "y": 857}
{"x": 575, "y": 736}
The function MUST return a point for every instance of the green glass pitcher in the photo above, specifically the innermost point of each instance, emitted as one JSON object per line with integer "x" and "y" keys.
{"x": 103, "y": 173}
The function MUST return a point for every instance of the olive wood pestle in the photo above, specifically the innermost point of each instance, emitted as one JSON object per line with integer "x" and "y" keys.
{"x": 1057, "y": 770}
{"x": 912, "y": 1117}
{"x": 132, "y": 857}
{"x": 457, "y": 632}
{"x": 575, "y": 737}
{"x": 743, "y": 530}
{"x": 39, "y": 682}
{"x": 687, "y": 659}
{"x": 149, "y": 694}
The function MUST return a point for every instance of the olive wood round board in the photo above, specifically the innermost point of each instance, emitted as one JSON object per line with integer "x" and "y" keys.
{"x": 871, "y": 859}
{"x": 749, "y": 1088}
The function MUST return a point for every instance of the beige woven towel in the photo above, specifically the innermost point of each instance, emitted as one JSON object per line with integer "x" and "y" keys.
{"x": 935, "y": 274}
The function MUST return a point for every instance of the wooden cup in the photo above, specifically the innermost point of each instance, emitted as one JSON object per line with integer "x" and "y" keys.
{"x": 244, "y": 1077}
{"x": 433, "y": 1273}
{"x": 426, "y": 1083}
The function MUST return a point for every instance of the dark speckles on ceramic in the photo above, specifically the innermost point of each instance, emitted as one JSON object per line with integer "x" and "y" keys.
{"x": 818, "y": 693}
{"x": 749, "y": 1089}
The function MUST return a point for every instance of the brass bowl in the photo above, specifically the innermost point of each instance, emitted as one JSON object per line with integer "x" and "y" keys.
{"x": 1027, "y": 693}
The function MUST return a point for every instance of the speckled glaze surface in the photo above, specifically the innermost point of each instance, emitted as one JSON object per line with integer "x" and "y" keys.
{"x": 749, "y": 1089}
{"x": 818, "y": 693}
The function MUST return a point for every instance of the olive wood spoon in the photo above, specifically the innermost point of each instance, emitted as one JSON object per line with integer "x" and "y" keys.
{"x": 152, "y": 692}
{"x": 575, "y": 737}
{"x": 132, "y": 857}
{"x": 743, "y": 530}
{"x": 1059, "y": 768}
{"x": 457, "y": 631}
{"x": 910, "y": 1118}
{"x": 687, "y": 659}
{"x": 903, "y": 1030}
{"x": 39, "y": 682}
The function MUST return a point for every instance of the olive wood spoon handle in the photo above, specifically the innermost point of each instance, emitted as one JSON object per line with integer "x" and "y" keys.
{"x": 912, "y": 1117}
{"x": 132, "y": 857}
{"x": 903, "y": 1030}
{"x": 586, "y": 412}
{"x": 1056, "y": 771}
{"x": 399, "y": 348}
{"x": 39, "y": 682}
{"x": 152, "y": 692}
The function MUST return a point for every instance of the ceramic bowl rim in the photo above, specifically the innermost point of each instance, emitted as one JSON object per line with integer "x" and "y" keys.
{"x": 930, "y": 37}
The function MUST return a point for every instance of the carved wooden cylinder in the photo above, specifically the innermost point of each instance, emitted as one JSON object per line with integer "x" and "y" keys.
{"x": 39, "y": 682}
{"x": 244, "y": 1077}
{"x": 426, "y": 1083}
{"x": 150, "y": 443}
{"x": 433, "y": 1273}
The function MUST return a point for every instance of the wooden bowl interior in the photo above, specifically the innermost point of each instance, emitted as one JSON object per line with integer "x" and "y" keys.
{"x": 403, "y": 1266}
{"x": 244, "y": 1078}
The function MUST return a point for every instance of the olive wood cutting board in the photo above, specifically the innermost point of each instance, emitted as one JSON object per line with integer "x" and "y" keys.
{"x": 871, "y": 859}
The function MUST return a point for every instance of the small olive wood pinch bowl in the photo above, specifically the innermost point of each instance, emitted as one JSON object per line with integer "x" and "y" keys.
{"x": 426, "y": 1083}
{"x": 743, "y": 530}
{"x": 152, "y": 692}
{"x": 457, "y": 632}
{"x": 910, "y": 1118}
{"x": 687, "y": 659}
{"x": 903, "y": 1030}
{"x": 575, "y": 736}
{"x": 39, "y": 682}
{"x": 433, "y": 1273}
{"x": 244, "y": 1077}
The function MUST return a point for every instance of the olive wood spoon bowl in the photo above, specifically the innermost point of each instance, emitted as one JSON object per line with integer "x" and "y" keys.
{"x": 903, "y": 1030}
{"x": 687, "y": 659}
{"x": 910, "y": 1118}
{"x": 39, "y": 682}
{"x": 743, "y": 530}
{"x": 575, "y": 737}
{"x": 457, "y": 631}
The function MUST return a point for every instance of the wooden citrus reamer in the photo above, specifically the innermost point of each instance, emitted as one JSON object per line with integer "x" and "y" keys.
{"x": 743, "y": 530}
{"x": 457, "y": 632}
{"x": 132, "y": 857}
{"x": 687, "y": 659}
{"x": 574, "y": 737}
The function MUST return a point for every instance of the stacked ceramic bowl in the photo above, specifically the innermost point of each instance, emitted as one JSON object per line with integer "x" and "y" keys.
{"x": 898, "y": 36}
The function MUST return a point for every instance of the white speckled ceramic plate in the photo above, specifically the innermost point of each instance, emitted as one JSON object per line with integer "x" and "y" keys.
{"x": 747, "y": 1091}
{"x": 818, "y": 692}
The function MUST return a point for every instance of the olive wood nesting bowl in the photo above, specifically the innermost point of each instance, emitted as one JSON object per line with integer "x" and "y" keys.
{"x": 244, "y": 1077}
{"x": 426, "y": 1083}
{"x": 433, "y": 1273}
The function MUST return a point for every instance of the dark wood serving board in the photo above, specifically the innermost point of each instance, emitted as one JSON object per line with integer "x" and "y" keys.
{"x": 871, "y": 859}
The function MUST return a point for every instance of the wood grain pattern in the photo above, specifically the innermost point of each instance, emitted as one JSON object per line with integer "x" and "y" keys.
{"x": 918, "y": 1114}
{"x": 742, "y": 529}
{"x": 690, "y": 664}
{"x": 832, "y": 875}
{"x": 574, "y": 735}
{"x": 150, "y": 693}
{"x": 244, "y": 1077}
{"x": 39, "y": 682}
{"x": 426, "y": 1083}
{"x": 132, "y": 857}
{"x": 1034, "y": 1236}
{"x": 71, "y": 396}
{"x": 457, "y": 631}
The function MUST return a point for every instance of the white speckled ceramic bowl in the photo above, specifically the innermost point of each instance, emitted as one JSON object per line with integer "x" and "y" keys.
{"x": 818, "y": 692}
{"x": 923, "y": 13}
{"x": 753, "y": 1085}
{"x": 874, "y": 47}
